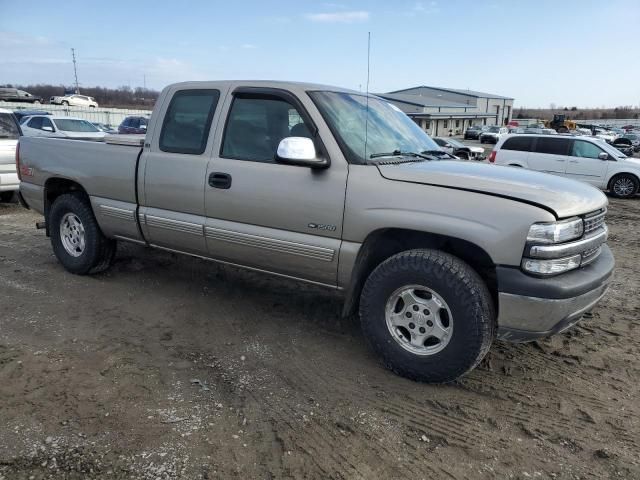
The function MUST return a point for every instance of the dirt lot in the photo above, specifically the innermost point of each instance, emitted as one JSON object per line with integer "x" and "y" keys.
{"x": 173, "y": 367}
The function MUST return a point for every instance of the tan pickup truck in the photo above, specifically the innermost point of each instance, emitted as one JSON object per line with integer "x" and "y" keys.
{"x": 329, "y": 186}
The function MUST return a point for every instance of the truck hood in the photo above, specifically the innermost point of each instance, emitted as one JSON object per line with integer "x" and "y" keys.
{"x": 564, "y": 197}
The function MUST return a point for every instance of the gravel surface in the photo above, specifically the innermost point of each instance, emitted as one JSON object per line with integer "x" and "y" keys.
{"x": 172, "y": 367}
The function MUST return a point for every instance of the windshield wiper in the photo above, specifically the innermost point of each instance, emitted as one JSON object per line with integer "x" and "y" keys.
{"x": 400, "y": 153}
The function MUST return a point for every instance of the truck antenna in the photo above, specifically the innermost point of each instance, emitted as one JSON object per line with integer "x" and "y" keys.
{"x": 366, "y": 121}
{"x": 75, "y": 71}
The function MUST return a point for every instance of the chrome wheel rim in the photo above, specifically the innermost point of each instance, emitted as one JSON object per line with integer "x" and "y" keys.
{"x": 623, "y": 186}
{"x": 419, "y": 320}
{"x": 72, "y": 234}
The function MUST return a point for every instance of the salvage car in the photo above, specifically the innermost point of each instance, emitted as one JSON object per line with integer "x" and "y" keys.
{"x": 9, "y": 134}
{"x": 336, "y": 188}
{"x": 459, "y": 149}
{"x": 624, "y": 145}
{"x": 588, "y": 159}
{"x": 474, "y": 131}
{"x": 60, "y": 127}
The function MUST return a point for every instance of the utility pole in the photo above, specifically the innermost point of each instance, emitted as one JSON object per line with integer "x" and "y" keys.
{"x": 75, "y": 71}
{"x": 144, "y": 81}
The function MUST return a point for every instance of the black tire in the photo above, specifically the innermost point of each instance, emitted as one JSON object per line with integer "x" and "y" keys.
{"x": 98, "y": 252}
{"x": 624, "y": 180}
{"x": 481, "y": 140}
{"x": 463, "y": 155}
{"x": 465, "y": 293}
{"x": 6, "y": 196}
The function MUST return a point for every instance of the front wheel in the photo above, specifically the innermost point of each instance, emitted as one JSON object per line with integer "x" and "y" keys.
{"x": 624, "y": 185}
{"x": 76, "y": 238}
{"x": 428, "y": 315}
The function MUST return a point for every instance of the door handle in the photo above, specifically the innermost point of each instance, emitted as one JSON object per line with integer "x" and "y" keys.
{"x": 220, "y": 180}
{"x": 573, "y": 161}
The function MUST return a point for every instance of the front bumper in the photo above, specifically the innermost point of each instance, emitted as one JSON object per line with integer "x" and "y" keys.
{"x": 531, "y": 307}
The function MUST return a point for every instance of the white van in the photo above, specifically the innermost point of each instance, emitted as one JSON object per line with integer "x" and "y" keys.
{"x": 588, "y": 159}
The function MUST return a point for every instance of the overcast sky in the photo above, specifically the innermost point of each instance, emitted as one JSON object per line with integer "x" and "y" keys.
{"x": 571, "y": 52}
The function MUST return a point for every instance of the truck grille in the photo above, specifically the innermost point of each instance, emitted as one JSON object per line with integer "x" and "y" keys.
{"x": 594, "y": 220}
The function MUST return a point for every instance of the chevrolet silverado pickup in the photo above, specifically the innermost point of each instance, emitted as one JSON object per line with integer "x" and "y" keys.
{"x": 337, "y": 188}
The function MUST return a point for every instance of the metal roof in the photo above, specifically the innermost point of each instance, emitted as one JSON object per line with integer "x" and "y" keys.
{"x": 460, "y": 91}
{"x": 423, "y": 101}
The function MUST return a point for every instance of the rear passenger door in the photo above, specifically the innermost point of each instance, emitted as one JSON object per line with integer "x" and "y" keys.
{"x": 174, "y": 165}
{"x": 266, "y": 215}
{"x": 515, "y": 151}
{"x": 550, "y": 155}
{"x": 584, "y": 164}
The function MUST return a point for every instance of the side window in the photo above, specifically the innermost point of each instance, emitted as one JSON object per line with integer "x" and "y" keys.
{"x": 35, "y": 122}
{"x": 187, "y": 121}
{"x": 256, "y": 124}
{"x": 520, "y": 144}
{"x": 554, "y": 146}
{"x": 134, "y": 123}
{"x": 585, "y": 149}
{"x": 47, "y": 123}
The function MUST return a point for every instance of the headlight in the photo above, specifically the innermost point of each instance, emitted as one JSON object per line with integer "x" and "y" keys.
{"x": 551, "y": 267}
{"x": 556, "y": 232}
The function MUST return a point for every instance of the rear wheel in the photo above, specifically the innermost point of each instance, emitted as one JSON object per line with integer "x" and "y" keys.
{"x": 428, "y": 315}
{"x": 624, "y": 185}
{"x": 76, "y": 238}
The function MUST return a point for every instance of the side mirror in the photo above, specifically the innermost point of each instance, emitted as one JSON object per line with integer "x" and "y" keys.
{"x": 603, "y": 156}
{"x": 47, "y": 129}
{"x": 299, "y": 151}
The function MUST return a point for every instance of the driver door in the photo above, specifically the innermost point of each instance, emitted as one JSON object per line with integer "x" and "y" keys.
{"x": 261, "y": 214}
{"x": 585, "y": 165}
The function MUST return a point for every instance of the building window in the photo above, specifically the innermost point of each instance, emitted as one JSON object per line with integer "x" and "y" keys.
{"x": 457, "y": 123}
{"x": 446, "y": 124}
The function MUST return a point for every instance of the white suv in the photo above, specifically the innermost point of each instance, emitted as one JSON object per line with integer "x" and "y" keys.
{"x": 493, "y": 134}
{"x": 74, "y": 101}
{"x": 588, "y": 159}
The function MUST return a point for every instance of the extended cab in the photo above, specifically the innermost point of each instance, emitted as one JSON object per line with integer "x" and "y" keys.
{"x": 327, "y": 186}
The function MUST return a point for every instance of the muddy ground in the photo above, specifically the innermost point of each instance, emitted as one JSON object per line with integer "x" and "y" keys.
{"x": 173, "y": 367}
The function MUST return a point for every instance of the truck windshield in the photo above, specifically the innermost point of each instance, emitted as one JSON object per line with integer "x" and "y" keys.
{"x": 8, "y": 127}
{"x": 67, "y": 125}
{"x": 388, "y": 129}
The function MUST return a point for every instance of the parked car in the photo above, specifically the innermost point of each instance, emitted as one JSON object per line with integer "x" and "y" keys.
{"x": 135, "y": 125}
{"x": 22, "y": 114}
{"x": 549, "y": 131}
{"x": 493, "y": 134}
{"x": 515, "y": 129}
{"x": 607, "y": 135}
{"x": 459, "y": 149}
{"x": 635, "y": 140}
{"x": 474, "y": 131}
{"x": 15, "y": 95}
{"x": 9, "y": 134}
{"x": 624, "y": 145}
{"x": 427, "y": 251}
{"x": 535, "y": 130}
{"x": 103, "y": 127}
{"x": 587, "y": 159}
{"x": 65, "y": 127}
{"x": 74, "y": 101}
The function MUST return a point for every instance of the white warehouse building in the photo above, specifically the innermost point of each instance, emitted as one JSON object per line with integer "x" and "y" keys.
{"x": 441, "y": 111}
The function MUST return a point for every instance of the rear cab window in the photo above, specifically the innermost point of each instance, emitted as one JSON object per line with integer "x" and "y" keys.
{"x": 187, "y": 121}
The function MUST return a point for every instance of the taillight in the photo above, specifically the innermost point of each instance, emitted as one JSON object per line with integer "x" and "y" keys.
{"x": 492, "y": 156}
{"x": 18, "y": 160}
